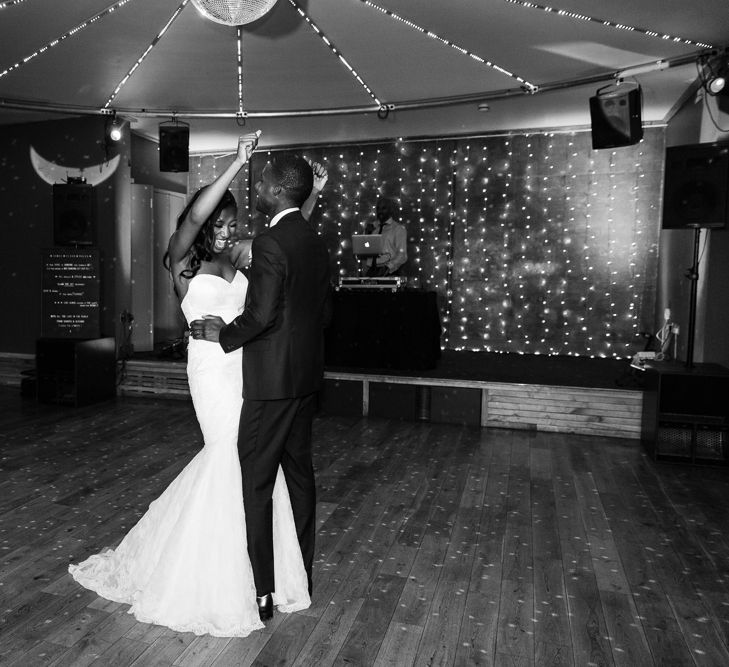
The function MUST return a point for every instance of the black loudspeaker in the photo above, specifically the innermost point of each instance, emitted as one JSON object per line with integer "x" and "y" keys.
{"x": 174, "y": 151}
{"x": 722, "y": 99}
{"x": 616, "y": 117}
{"x": 696, "y": 186}
{"x": 74, "y": 214}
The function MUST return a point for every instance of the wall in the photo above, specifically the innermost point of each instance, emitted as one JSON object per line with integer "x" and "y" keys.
{"x": 26, "y": 217}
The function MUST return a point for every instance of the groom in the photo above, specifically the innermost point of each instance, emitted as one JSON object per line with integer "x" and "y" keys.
{"x": 281, "y": 330}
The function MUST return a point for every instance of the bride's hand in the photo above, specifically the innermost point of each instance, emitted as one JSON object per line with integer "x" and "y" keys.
{"x": 247, "y": 144}
{"x": 240, "y": 253}
{"x": 320, "y": 174}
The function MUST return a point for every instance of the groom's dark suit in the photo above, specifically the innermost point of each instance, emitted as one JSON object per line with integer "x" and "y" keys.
{"x": 281, "y": 331}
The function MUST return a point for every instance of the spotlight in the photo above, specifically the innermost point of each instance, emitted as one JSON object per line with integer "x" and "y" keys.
{"x": 114, "y": 131}
{"x": 716, "y": 84}
{"x": 716, "y": 81}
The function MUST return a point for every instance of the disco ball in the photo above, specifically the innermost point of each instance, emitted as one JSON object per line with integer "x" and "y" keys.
{"x": 234, "y": 12}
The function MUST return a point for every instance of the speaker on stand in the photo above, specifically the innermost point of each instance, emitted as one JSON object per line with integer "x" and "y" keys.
{"x": 695, "y": 193}
{"x": 174, "y": 143}
{"x": 74, "y": 214}
{"x": 695, "y": 187}
{"x": 615, "y": 115}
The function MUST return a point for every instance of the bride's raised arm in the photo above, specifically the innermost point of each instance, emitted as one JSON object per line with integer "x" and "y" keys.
{"x": 203, "y": 203}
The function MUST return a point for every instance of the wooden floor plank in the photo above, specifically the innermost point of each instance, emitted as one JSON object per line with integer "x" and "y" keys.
{"x": 166, "y": 649}
{"x": 92, "y": 645}
{"x": 202, "y": 651}
{"x": 363, "y": 641}
{"x": 627, "y": 637}
{"x": 400, "y": 646}
{"x": 551, "y": 616}
{"x": 515, "y": 634}
{"x": 42, "y": 654}
{"x": 703, "y": 640}
{"x": 121, "y": 653}
{"x": 477, "y": 639}
{"x": 329, "y": 634}
{"x": 587, "y": 623}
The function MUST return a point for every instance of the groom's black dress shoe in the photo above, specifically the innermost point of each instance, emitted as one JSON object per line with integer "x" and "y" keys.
{"x": 265, "y": 607}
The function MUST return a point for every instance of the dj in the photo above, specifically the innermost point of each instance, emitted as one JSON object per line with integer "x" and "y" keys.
{"x": 394, "y": 241}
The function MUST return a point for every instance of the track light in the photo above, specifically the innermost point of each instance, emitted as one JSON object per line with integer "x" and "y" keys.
{"x": 715, "y": 81}
{"x": 115, "y": 132}
{"x": 114, "y": 129}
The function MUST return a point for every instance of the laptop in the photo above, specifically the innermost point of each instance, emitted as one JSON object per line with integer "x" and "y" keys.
{"x": 367, "y": 244}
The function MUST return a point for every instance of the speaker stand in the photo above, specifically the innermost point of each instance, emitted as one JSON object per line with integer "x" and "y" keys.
{"x": 693, "y": 275}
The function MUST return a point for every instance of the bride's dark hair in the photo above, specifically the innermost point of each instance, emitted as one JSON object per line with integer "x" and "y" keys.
{"x": 202, "y": 247}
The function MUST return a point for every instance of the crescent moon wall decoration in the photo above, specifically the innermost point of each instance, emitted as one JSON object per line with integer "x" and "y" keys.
{"x": 53, "y": 173}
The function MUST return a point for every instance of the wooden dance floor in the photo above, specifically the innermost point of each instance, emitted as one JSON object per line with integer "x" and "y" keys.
{"x": 437, "y": 545}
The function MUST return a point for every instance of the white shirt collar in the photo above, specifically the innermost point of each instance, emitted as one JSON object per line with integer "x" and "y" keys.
{"x": 281, "y": 214}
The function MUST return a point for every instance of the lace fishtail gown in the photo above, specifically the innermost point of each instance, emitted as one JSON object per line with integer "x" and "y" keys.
{"x": 185, "y": 564}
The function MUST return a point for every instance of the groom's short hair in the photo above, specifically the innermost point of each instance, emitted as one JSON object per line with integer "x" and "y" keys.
{"x": 294, "y": 175}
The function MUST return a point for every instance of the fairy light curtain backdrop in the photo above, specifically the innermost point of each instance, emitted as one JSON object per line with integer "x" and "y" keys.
{"x": 534, "y": 243}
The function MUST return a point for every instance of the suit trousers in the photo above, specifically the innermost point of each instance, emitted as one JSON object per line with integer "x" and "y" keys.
{"x": 277, "y": 432}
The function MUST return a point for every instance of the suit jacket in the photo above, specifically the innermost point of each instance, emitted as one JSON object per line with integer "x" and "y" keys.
{"x": 287, "y": 307}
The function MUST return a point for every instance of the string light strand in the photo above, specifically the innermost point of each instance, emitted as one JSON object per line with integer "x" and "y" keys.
{"x": 147, "y": 51}
{"x": 240, "y": 71}
{"x": 330, "y": 45}
{"x": 529, "y": 86}
{"x": 65, "y": 35}
{"x": 607, "y": 24}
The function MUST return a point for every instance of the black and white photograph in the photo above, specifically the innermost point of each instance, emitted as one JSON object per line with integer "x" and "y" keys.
{"x": 364, "y": 333}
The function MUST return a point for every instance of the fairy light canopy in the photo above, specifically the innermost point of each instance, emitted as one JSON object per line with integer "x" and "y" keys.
{"x": 273, "y": 60}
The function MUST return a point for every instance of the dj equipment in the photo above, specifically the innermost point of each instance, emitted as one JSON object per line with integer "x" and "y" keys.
{"x": 392, "y": 283}
{"x": 367, "y": 245}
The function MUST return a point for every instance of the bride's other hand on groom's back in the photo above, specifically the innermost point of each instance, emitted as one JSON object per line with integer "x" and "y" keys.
{"x": 207, "y": 328}
{"x": 240, "y": 254}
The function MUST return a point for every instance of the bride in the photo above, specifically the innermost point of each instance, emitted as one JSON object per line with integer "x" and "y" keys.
{"x": 185, "y": 564}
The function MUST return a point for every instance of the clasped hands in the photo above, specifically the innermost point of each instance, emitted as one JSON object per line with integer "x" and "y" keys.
{"x": 208, "y": 328}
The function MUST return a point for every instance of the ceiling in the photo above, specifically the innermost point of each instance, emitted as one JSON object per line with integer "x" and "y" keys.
{"x": 424, "y": 64}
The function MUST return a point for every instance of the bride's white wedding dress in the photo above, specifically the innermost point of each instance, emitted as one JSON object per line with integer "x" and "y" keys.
{"x": 185, "y": 564}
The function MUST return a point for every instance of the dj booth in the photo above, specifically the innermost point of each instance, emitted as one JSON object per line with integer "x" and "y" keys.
{"x": 378, "y": 323}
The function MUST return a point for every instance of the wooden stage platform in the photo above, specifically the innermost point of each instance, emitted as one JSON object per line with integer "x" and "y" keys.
{"x": 560, "y": 394}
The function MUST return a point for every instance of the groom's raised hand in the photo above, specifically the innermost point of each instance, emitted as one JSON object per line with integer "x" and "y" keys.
{"x": 207, "y": 328}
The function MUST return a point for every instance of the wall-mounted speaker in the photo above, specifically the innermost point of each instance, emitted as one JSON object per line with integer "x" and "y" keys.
{"x": 696, "y": 186}
{"x": 74, "y": 214}
{"x": 174, "y": 143}
{"x": 616, "y": 117}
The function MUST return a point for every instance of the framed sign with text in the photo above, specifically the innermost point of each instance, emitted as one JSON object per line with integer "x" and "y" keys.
{"x": 71, "y": 293}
